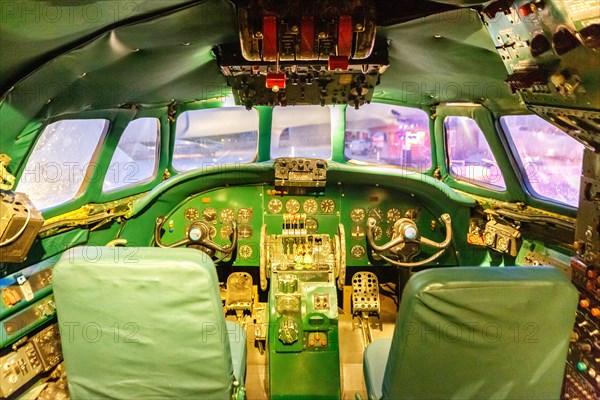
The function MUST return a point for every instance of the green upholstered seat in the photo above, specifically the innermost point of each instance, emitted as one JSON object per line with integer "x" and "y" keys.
{"x": 145, "y": 323}
{"x": 476, "y": 333}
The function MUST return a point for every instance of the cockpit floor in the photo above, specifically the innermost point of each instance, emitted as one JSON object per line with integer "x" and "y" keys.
{"x": 351, "y": 355}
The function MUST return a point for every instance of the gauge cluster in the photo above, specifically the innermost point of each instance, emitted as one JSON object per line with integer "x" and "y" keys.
{"x": 252, "y": 206}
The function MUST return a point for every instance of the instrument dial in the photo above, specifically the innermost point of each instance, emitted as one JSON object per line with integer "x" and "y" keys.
{"x": 226, "y": 215}
{"x": 393, "y": 215}
{"x": 328, "y": 206}
{"x": 212, "y": 232}
{"x": 311, "y": 225}
{"x": 274, "y": 206}
{"x": 225, "y": 232}
{"x": 292, "y": 206}
{"x": 357, "y": 232}
{"x": 191, "y": 214}
{"x": 244, "y": 232}
{"x": 358, "y": 251}
{"x": 245, "y": 251}
{"x": 244, "y": 215}
{"x": 376, "y": 214}
{"x": 413, "y": 213}
{"x": 310, "y": 206}
{"x": 377, "y": 232}
{"x": 210, "y": 215}
{"x": 357, "y": 214}
{"x": 389, "y": 232}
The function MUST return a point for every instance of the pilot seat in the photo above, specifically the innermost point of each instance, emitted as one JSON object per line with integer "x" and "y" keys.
{"x": 476, "y": 333}
{"x": 146, "y": 323}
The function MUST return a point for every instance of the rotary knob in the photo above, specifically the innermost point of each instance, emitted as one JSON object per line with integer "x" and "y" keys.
{"x": 288, "y": 331}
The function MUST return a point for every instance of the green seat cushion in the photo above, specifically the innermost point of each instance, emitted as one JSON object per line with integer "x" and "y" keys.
{"x": 374, "y": 362}
{"x": 143, "y": 323}
{"x": 481, "y": 333}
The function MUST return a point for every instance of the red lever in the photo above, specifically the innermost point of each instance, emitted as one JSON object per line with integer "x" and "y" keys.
{"x": 307, "y": 38}
{"x": 269, "y": 47}
{"x": 344, "y": 36}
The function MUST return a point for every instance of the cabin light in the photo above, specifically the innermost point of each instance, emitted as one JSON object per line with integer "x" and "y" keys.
{"x": 135, "y": 50}
{"x": 437, "y": 36}
{"x": 185, "y": 43}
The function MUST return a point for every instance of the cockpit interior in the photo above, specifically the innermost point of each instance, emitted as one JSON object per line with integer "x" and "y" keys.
{"x": 261, "y": 199}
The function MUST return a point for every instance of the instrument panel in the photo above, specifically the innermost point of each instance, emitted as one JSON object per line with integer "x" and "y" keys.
{"x": 252, "y": 206}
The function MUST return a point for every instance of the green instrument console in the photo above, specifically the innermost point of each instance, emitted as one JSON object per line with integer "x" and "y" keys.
{"x": 303, "y": 346}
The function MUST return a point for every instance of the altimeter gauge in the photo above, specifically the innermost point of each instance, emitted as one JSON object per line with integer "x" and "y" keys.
{"x": 358, "y": 251}
{"x": 292, "y": 206}
{"x": 226, "y": 215}
{"x": 191, "y": 214}
{"x": 274, "y": 206}
{"x": 310, "y": 206}
{"x": 357, "y": 214}
{"x": 393, "y": 215}
{"x": 328, "y": 206}
{"x": 245, "y": 251}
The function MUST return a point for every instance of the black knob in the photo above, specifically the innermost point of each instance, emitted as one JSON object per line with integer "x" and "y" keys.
{"x": 564, "y": 41}
{"x": 539, "y": 45}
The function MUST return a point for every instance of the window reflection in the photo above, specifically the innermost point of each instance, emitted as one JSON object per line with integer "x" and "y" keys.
{"x": 215, "y": 136}
{"x": 388, "y": 134}
{"x": 551, "y": 159}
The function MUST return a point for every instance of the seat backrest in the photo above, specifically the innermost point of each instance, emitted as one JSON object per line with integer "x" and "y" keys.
{"x": 481, "y": 333}
{"x": 142, "y": 323}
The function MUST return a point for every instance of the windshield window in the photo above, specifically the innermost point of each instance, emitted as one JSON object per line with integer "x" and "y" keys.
{"x": 469, "y": 155}
{"x": 301, "y": 131}
{"x": 550, "y": 158}
{"x": 215, "y": 136}
{"x": 62, "y": 161}
{"x": 387, "y": 134}
{"x": 135, "y": 158}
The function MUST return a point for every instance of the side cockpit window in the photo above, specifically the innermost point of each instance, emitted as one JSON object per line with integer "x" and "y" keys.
{"x": 135, "y": 159}
{"x": 550, "y": 159}
{"x": 470, "y": 157}
{"x": 62, "y": 161}
{"x": 388, "y": 134}
{"x": 226, "y": 135}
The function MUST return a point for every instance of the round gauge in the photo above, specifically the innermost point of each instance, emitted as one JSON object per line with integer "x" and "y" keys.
{"x": 489, "y": 238}
{"x": 226, "y": 215}
{"x": 244, "y": 232}
{"x": 210, "y": 215}
{"x": 357, "y": 251}
{"x": 357, "y": 232}
{"x": 377, "y": 232}
{"x": 245, "y": 251}
{"x": 503, "y": 243}
{"x": 212, "y": 232}
{"x": 413, "y": 213}
{"x": 292, "y": 206}
{"x": 376, "y": 214}
{"x": 225, "y": 232}
{"x": 310, "y": 206}
{"x": 357, "y": 214}
{"x": 328, "y": 206}
{"x": 389, "y": 232}
{"x": 393, "y": 215}
{"x": 274, "y": 206}
{"x": 191, "y": 214}
{"x": 311, "y": 225}
{"x": 244, "y": 215}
